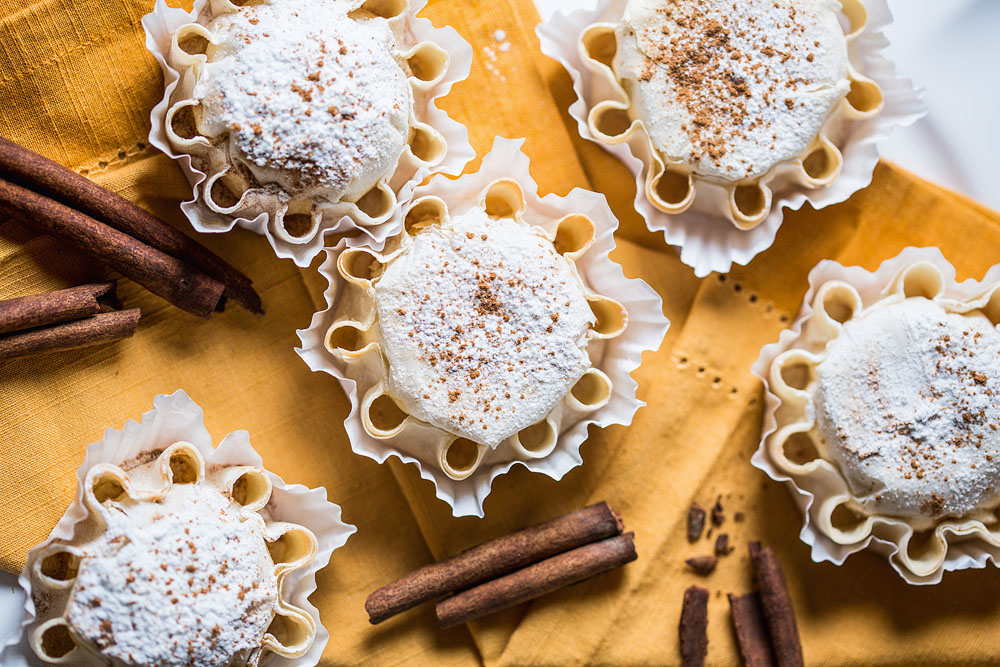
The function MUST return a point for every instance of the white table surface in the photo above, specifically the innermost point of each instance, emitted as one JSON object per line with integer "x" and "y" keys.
{"x": 952, "y": 50}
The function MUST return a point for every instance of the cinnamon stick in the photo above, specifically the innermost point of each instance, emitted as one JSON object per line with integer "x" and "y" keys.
{"x": 36, "y": 310}
{"x": 777, "y": 604}
{"x": 702, "y": 565}
{"x": 168, "y": 277}
{"x": 537, "y": 580}
{"x": 101, "y": 328}
{"x": 494, "y": 558}
{"x": 695, "y": 522}
{"x": 36, "y": 172}
{"x": 752, "y": 635}
{"x": 693, "y": 628}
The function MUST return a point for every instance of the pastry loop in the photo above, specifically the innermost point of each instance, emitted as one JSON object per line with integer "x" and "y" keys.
{"x": 749, "y": 204}
{"x": 381, "y": 415}
{"x": 291, "y": 633}
{"x": 460, "y": 458}
{"x": 504, "y": 198}
{"x": 599, "y": 45}
{"x": 290, "y": 546}
{"x": 181, "y": 463}
{"x": 360, "y": 266}
{"x": 54, "y": 642}
{"x": 538, "y": 440}
{"x": 610, "y": 315}
{"x": 423, "y": 213}
{"x": 574, "y": 235}
{"x": 428, "y": 63}
{"x": 591, "y": 392}
{"x": 920, "y": 279}
{"x": 248, "y": 486}
{"x": 387, "y": 9}
{"x": 348, "y": 338}
{"x": 670, "y": 190}
{"x": 426, "y": 144}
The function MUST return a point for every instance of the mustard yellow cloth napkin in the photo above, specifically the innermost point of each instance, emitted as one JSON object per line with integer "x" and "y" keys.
{"x": 77, "y": 85}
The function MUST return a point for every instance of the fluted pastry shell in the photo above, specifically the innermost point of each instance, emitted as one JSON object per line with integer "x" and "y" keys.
{"x": 709, "y": 219}
{"x": 865, "y": 494}
{"x": 232, "y": 171}
{"x": 344, "y": 340}
{"x": 144, "y": 466}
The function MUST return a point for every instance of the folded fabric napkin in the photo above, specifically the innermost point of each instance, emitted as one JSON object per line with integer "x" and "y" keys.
{"x": 78, "y": 84}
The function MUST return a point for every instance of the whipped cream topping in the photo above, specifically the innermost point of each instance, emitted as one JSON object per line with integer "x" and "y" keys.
{"x": 906, "y": 404}
{"x": 484, "y": 326}
{"x": 732, "y": 88}
{"x": 183, "y": 581}
{"x": 312, "y": 98}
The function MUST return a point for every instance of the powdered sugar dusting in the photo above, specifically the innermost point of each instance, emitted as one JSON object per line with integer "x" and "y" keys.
{"x": 732, "y": 88}
{"x": 484, "y": 326}
{"x": 907, "y": 405}
{"x": 313, "y": 99}
{"x": 184, "y": 581}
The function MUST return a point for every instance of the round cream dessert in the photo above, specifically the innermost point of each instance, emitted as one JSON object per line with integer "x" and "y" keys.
{"x": 175, "y": 563}
{"x": 484, "y": 326}
{"x": 906, "y": 405}
{"x": 731, "y": 89}
{"x": 184, "y": 581}
{"x": 311, "y": 94}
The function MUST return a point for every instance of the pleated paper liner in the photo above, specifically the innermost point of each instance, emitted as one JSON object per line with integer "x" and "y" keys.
{"x": 462, "y": 478}
{"x": 438, "y": 57}
{"x": 707, "y": 221}
{"x": 818, "y": 487}
{"x": 176, "y": 418}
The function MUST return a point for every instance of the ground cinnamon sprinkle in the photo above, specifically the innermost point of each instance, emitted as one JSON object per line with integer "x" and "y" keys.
{"x": 724, "y": 63}
{"x": 495, "y": 337}
{"x": 918, "y": 435}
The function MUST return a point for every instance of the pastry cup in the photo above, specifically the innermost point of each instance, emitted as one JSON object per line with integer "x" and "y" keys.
{"x": 296, "y": 229}
{"x": 582, "y": 227}
{"x": 834, "y": 525}
{"x": 719, "y": 225}
{"x": 176, "y": 425}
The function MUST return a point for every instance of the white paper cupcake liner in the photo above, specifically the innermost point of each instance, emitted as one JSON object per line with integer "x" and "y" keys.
{"x": 713, "y": 243}
{"x": 163, "y": 21}
{"x": 174, "y": 418}
{"x": 809, "y": 492}
{"x": 622, "y": 355}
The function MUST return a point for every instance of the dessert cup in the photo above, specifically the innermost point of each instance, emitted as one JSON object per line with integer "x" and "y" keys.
{"x": 874, "y": 458}
{"x": 288, "y": 163}
{"x": 462, "y": 449}
{"x": 718, "y": 224}
{"x": 140, "y": 467}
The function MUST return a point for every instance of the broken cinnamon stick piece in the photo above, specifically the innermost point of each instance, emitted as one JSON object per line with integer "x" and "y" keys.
{"x": 101, "y": 328}
{"x": 717, "y": 514}
{"x": 36, "y": 172}
{"x": 38, "y": 310}
{"x": 537, "y": 580}
{"x": 693, "y": 627}
{"x": 702, "y": 564}
{"x": 163, "y": 275}
{"x": 494, "y": 558}
{"x": 695, "y": 522}
{"x": 752, "y": 635}
{"x": 777, "y": 604}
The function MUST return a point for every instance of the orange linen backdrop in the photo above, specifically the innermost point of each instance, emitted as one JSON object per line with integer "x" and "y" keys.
{"x": 77, "y": 84}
